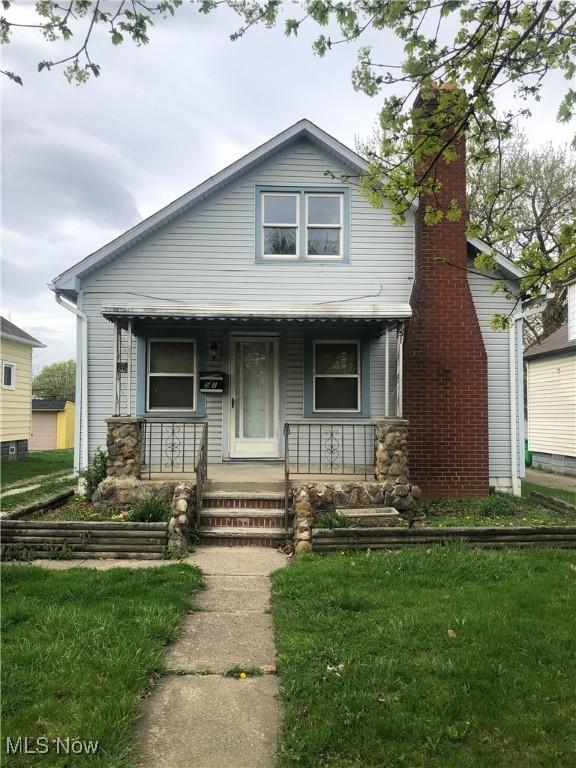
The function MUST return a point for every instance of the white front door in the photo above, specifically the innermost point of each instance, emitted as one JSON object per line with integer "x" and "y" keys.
{"x": 254, "y": 421}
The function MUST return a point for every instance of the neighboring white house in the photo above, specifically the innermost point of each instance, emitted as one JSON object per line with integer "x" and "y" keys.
{"x": 551, "y": 385}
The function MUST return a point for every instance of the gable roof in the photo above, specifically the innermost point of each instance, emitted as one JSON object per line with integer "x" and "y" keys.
{"x": 10, "y": 331}
{"x": 556, "y": 344}
{"x": 68, "y": 282}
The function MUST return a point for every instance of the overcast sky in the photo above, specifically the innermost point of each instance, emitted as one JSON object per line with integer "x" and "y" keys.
{"x": 82, "y": 164}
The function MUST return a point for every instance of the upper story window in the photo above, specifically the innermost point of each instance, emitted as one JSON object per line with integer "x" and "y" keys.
{"x": 301, "y": 225}
{"x": 280, "y": 224}
{"x": 8, "y": 375}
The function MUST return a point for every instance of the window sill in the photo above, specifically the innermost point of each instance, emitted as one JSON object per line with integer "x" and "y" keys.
{"x": 172, "y": 415}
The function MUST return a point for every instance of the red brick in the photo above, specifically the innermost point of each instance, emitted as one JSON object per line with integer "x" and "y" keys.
{"x": 445, "y": 381}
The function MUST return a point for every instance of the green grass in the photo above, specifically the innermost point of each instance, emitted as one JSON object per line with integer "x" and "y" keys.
{"x": 45, "y": 491}
{"x": 371, "y": 677}
{"x": 449, "y": 513}
{"x": 558, "y": 493}
{"x": 79, "y": 647}
{"x": 37, "y": 464}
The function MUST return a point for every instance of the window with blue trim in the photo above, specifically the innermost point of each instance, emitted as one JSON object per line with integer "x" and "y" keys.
{"x": 171, "y": 375}
{"x": 301, "y": 225}
{"x": 337, "y": 376}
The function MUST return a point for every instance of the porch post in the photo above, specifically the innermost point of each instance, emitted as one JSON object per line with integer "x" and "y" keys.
{"x": 129, "y": 369}
{"x": 387, "y": 373}
{"x": 399, "y": 369}
{"x": 124, "y": 444}
{"x": 392, "y": 451}
{"x": 115, "y": 395}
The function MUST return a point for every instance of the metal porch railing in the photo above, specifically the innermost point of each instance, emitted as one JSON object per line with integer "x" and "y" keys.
{"x": 174, "y": 447}
{"x": 328, "y": 449}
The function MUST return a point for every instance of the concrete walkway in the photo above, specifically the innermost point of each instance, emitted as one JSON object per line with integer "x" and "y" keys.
{"x": 197, "y": 717}
{"x": 567, "y": 482}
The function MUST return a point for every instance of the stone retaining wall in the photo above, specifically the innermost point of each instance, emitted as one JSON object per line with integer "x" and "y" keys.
{"x": 125, "y": 492}
{"x": 183, "y": 511}
{"x": 311, "y": 501}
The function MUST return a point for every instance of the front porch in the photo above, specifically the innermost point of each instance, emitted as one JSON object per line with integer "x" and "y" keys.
{"x": 256, "y": 502}
{"x": 251, "y": 410}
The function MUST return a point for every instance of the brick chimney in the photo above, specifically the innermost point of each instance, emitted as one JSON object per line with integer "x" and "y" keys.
{"x": 445, "y": 379}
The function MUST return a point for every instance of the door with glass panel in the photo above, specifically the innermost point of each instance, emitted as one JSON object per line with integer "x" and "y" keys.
{"x": 254, "y": 422}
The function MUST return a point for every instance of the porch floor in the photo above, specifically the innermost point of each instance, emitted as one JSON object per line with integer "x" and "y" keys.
{"x": 264, "y": 472}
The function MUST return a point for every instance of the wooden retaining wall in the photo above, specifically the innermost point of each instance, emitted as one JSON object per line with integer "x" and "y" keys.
{"x": 330, "y": 539}
{"x": 81, "y": 540}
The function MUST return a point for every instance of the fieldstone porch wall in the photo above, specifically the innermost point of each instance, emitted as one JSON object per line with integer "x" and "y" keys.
{"x": 124, "y": 442}
{"x": 121, "y": 492}
{"x": 392, "y": 451}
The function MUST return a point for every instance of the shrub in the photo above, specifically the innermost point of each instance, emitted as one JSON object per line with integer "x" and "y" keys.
{"x": 498, "y": 505}
{"x": 150, "y": 511}
{"x": 333, "y": 520}
{"x": 94, "y": 473}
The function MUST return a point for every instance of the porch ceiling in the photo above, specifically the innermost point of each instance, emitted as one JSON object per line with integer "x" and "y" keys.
{"x": 277, "y": 311}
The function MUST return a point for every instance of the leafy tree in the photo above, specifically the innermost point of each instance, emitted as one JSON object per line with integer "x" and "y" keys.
{"x": 482, "y": 45}
{"x": 56, "y": 381}
{"x": 125, "y": 19}
{"x": 520, "y": 202}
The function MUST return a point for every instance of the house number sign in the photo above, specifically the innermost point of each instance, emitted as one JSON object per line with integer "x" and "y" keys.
{"x": 212, "y": 382}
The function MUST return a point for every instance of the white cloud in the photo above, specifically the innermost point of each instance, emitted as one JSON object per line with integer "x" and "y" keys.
{"x": 82, "y": 164}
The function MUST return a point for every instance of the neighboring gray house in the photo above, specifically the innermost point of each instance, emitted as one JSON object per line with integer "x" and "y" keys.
{"x": 273, "y": 294}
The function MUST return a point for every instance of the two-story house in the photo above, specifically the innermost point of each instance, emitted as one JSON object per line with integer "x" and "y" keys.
{"x": 274, "y": 304}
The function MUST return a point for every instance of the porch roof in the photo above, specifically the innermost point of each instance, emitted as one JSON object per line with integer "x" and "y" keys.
{"x": 277, "y": 311}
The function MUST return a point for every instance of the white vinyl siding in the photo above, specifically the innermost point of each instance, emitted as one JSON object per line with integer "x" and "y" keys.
{"x": 208, "y": 255}
{"x": 487, "y": 304}
{"x": 572, "y": 312}
{"x": 551, "y": 384}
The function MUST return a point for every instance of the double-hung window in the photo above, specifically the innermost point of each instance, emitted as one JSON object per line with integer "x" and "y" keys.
{"x": 171, "y": 375}
{"x": 337, "y": 385}
{"x": 281, "y": 224}
{"x": 324, "y": 225}
{"x": 8, "y": 375}
{"x": 301, "y": 225}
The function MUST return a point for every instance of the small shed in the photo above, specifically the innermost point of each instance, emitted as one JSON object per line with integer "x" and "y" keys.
{"x": 52, "y": 424}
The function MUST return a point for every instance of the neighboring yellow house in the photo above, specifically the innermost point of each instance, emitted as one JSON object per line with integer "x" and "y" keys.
{"x": 551, "y": 385}
{"x": 16, "y": 391}
{"x": 52, "y": 424}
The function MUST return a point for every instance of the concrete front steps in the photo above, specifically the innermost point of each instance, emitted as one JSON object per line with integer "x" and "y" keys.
{"x": 246, "y": 517}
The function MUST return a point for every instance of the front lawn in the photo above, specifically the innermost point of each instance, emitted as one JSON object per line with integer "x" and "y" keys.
{"x": 79, "y": 647}
{"x": 37, "y": 464}
{"x": 45, "y": 491}
{"x": 450, "y": 657}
